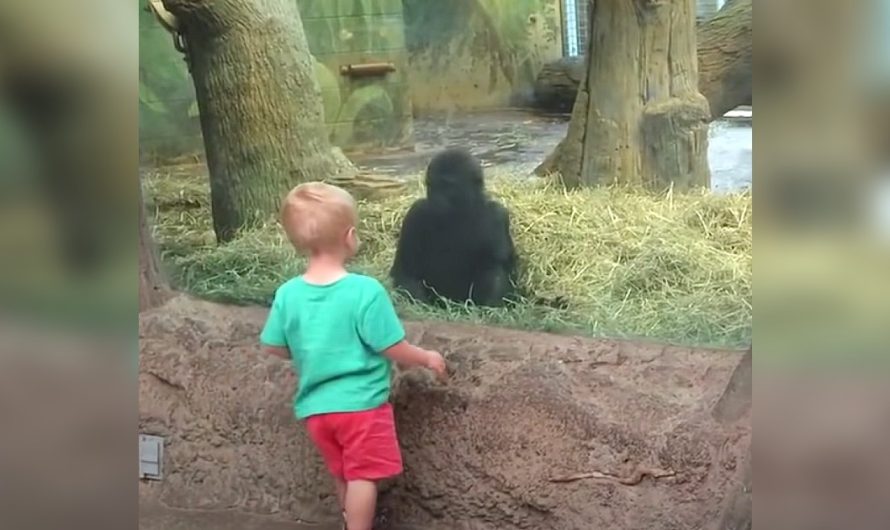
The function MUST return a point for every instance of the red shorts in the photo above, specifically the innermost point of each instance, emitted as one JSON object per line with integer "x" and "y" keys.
{"x": 358, "y": 445}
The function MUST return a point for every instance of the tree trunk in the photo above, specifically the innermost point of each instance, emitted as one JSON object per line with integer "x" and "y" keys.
{"x": 638, "y": 118}
{"x": 725, "y": 45}
{"x": 153, "y": 289}
{"x": 260, "y": 105}
{"x": 725, "y": 56}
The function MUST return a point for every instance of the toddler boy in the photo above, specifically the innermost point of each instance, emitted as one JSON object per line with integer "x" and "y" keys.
{"x": 341, "y": 332}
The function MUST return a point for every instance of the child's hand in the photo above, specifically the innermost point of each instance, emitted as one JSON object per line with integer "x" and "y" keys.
{"x": 436, "y": 363}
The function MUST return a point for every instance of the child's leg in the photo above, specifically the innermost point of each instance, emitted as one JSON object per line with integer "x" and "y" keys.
{"x": 370, "y": 453}
{"x": 361, "y": 501}
{"x": 322, "y": 433}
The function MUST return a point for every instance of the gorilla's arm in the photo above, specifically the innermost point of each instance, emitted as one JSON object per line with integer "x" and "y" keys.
{"x": 503, "y": 248}
{"x": 493, "y": 284}
{"x": 407, "y": 270}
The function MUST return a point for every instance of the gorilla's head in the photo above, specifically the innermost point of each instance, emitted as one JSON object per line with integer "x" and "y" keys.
{"x": 455, "y": 177}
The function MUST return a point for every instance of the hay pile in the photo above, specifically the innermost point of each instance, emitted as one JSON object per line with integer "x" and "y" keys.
{"x": 632, "y": 264}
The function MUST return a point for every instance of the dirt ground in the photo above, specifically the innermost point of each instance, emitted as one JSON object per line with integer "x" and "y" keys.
{"x": 153, "y": 516}
{"x": 533, "y": 431}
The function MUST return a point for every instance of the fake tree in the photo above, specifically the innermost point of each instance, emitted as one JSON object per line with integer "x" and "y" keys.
{"x": 725, "y": 57}
{"x": 725, "y": 63}
{"x": 260, "y": 106}
{"x": 639, "y": 118}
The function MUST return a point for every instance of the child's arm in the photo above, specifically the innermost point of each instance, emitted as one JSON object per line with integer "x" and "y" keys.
{"x": 381, "y": 329}
{"x": 405, "y": 353}
{"x": 277, "y": 351}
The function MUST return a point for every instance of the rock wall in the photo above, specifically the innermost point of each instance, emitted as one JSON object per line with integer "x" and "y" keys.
{"x": 533, "y": 431}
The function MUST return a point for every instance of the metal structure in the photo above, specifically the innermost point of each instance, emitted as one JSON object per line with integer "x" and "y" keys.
{"x": 705, "y": 9}
{"x": 572, "y": 24}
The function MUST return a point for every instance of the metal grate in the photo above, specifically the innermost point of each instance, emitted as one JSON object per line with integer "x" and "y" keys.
{"x": 570, "y": 39}
{"x": 575, "y": 23}
{"x": 583, "y": 24}
{"x": 705, "y": 9}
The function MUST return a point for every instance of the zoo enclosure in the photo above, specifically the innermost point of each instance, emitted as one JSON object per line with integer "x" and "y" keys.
{"x": 448, "y": 56}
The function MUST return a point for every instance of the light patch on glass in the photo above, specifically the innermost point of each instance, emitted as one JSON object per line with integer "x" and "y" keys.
{"x": 571, "y": 28}
{"x": 880, "y": 208}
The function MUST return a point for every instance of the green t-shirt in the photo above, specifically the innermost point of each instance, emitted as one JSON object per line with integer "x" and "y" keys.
{"x": 335, "y": 334}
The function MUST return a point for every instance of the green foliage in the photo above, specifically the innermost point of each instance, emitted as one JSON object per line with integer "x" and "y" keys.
{"x": 631, "y": 263}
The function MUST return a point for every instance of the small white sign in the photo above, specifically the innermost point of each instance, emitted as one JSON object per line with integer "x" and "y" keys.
{"x": 151, "y": 456}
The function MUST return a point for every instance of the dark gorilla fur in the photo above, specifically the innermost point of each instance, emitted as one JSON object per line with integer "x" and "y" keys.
{"x": 456, "y": 242}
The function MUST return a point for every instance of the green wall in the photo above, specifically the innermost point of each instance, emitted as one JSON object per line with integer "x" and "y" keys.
{"x": 371, "y": 113}
{"x": 478, "y": 54}
{"x": 449, "y": 55}
{"x": 168, "y": 114}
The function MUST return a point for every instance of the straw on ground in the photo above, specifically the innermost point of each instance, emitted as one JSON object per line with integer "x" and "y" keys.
{"x": 631, "y": 263}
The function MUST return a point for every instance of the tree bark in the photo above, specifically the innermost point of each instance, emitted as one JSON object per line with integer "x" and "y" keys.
{"x": 725, "y": 58}
{"x": 638, "y": 118}
{"x": 153, "y": 290}
{"x": 260, "y": 105}
{"x": 725, "y": 52}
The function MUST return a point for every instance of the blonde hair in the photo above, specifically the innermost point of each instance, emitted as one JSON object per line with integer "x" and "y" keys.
{"x": 316, "y": 216}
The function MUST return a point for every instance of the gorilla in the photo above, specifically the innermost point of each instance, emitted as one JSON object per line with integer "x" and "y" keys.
{"x": 456, "y": 243}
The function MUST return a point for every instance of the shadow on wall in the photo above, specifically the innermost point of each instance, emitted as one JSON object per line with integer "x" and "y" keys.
{"x": 474, "y": 54}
